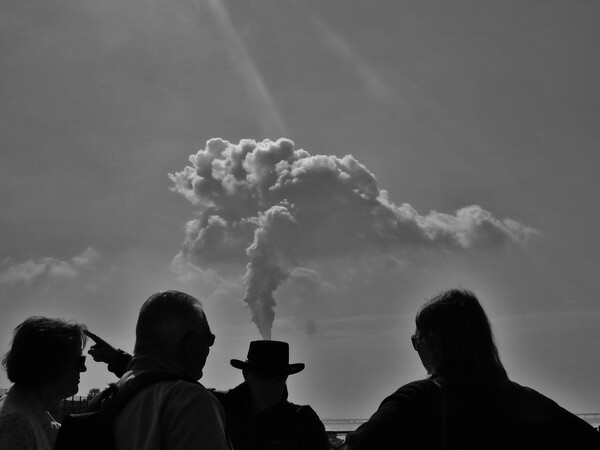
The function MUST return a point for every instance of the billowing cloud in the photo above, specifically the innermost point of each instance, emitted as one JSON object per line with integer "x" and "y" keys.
{"x": 49, "y": 268}
{"x": 278, "y": 207}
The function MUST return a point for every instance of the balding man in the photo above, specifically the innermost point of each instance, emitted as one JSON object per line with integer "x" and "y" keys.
{"x": 173, "y": 338}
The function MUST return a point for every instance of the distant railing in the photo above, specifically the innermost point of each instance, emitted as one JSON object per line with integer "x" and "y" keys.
{"x": 72, "y": 405}
{"x": 593, "y": 418}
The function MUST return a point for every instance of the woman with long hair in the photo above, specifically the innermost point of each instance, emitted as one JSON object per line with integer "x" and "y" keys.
{"x": 467, "y": 400}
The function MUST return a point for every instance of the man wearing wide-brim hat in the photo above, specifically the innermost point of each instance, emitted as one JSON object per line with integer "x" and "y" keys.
{"x": 259, "y": 415}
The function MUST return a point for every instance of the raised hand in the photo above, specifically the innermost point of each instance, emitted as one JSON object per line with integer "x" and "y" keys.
{"x": 102, "y": 351}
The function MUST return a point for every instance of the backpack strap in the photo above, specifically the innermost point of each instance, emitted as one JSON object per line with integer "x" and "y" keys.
{"x": 94, "y": 405}
{"x": 116, "y": 400}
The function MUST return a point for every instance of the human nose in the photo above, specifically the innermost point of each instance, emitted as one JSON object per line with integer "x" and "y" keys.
{"x": 82, "y": 367}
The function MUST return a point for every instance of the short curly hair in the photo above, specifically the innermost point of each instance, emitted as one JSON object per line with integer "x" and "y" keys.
{"x": 40, "y": 350}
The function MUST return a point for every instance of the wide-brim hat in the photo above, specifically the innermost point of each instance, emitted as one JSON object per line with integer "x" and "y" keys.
{"x": 268, "y": 357}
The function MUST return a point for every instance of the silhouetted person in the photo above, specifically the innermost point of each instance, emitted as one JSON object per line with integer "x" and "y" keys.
{"x": 44, "y": 363}
{"x": 259, "y": 416}
{"x": 172, "y": 336}
{"x": 467, "y": 402}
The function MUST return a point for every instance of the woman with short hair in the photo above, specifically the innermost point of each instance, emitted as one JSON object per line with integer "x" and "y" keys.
{"x": 467, "y": 401}
{"x": 44, "y": 363}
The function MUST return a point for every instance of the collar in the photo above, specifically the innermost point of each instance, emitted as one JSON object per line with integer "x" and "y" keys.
{"x": 151, "y": 363}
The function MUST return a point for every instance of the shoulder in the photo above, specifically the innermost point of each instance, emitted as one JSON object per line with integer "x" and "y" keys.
{"x": 414, "y": 391}
{"x": 186, "y": 392}
{"x": 537, "y": 406}
{"x": 193, "y": 411}
{"x": 417, "y": 386}
{"x": 400, "y": 419}
{"x": 15, "y": 412}
{"x": 234, "y": 395}
{"x": 170, "y": 393}
{"x": 186, "y": 396}
{"x": 547, "y": 418}
{"x": 15, "y": 428}
{"x": 12, "y": 402}
{"x": 14, "y": 419}
{"x": 185, "y": 414}
{"x": 176, "y": 400}
{"x": 530, "y": 399}
{"x": 307, "y": 425}
{"x": 420, "y": 385}
{"x": 166, "y": 383}
{"x": 304, "y": 412}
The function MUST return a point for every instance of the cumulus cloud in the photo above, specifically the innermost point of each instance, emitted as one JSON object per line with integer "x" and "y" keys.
{"x": 49, "y": 268}
{"x": 278, "y": 207}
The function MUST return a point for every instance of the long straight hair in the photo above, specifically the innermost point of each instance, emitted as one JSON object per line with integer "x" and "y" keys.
{"x": 459, "y": 324}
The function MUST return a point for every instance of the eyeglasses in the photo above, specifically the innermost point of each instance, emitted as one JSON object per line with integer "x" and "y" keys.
{"x": 210, "y": 338}
{"x": 416, "y": 339}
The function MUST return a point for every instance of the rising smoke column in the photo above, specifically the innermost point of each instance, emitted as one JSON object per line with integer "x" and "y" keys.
{"x": 278, "y": 207}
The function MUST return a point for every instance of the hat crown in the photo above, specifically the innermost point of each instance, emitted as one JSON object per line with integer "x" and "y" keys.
{"x": 269, "y": 354}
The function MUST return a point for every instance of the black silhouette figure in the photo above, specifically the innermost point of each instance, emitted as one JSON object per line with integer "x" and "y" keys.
{"x": 468, "y": 401}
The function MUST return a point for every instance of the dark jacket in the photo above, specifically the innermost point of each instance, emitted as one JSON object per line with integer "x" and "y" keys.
{"x": 422, "y": 415}
{"x": 285, "y": 426}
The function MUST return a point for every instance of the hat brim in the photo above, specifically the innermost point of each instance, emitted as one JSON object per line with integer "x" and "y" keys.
{"x": 288, "y": 370}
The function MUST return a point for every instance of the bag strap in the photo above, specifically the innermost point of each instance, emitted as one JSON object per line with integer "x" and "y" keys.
{"x": 117, "y": 399}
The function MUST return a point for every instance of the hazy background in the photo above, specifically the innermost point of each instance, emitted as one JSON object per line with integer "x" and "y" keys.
{"x": 445, "y": 104}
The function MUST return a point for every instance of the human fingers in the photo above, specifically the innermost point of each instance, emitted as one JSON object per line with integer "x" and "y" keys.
{"x": 102, "y": 354}
{"x": 94, "y": 337}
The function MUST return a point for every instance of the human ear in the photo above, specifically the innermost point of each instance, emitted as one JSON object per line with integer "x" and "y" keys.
{"x": 191, "y": 347}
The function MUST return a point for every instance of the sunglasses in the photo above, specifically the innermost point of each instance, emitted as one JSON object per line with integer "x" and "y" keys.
{"x": 416, "y": 339}
{"x": 210, "y": 338}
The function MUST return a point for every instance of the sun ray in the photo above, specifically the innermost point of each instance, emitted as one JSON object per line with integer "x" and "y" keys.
{"x": 375, "y": 84}
{"x": 269, "y": 115}
{"x": 404, "y": 97}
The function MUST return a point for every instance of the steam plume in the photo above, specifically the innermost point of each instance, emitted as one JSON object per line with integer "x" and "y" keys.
{"x": 282, "y": 206}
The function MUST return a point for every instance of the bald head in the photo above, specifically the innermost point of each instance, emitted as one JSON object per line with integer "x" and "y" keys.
{"x": 165, "y": 319}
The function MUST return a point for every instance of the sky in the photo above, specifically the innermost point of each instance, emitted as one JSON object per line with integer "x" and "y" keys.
{"x": 311, "y": 171}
